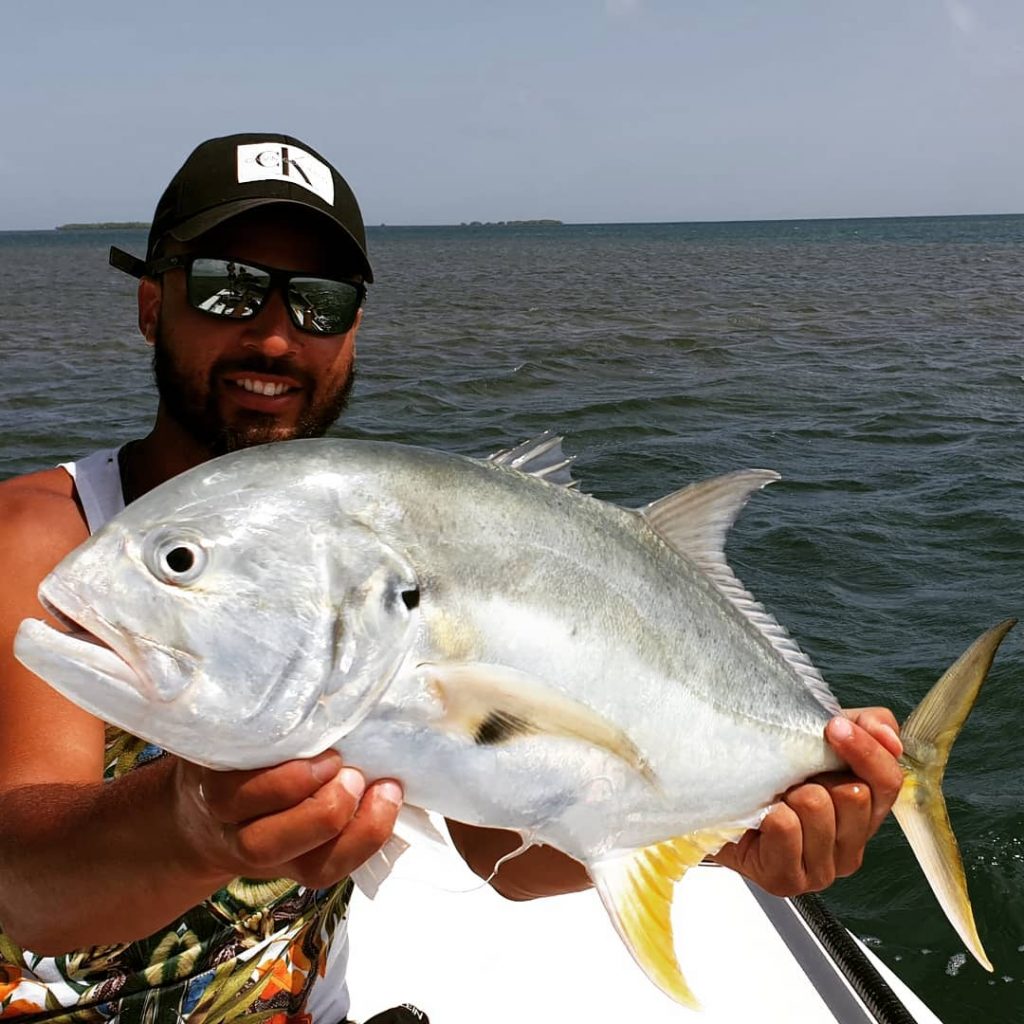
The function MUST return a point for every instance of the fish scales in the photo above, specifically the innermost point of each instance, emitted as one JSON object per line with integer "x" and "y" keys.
{"x": 632, "y": 606}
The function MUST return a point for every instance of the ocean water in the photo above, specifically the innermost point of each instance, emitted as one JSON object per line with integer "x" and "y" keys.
{"x": 877, "y": 364}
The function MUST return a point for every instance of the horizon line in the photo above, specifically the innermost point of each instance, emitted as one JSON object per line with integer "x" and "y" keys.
{"x": 556, "y": 222}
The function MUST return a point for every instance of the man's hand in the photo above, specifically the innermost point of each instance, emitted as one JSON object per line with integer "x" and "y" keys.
{"x": 818, "y": 830}
{"x": 313, "y": 820}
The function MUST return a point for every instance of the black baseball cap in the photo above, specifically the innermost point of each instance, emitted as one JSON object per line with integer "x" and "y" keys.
{"x": 226, "y": 176}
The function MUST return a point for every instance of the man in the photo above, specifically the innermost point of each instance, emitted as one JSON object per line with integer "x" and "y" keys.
{"x": 184, "y": 891}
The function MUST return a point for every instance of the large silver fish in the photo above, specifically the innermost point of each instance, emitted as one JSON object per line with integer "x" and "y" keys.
{"x": 519, "y": 655}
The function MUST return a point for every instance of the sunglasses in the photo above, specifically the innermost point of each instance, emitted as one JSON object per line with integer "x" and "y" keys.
{"x": 238, "y": 290}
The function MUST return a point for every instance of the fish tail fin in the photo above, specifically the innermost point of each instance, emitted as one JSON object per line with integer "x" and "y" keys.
{"x": 927, "y": 735}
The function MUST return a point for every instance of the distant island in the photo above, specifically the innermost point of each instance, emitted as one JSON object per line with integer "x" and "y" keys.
{"x": 541, "y": 222}
{"x": 105, "y": 225}
{"x": 140, "y": 225}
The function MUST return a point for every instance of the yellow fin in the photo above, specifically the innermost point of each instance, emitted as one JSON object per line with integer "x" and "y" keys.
{"x": 920, "y": 809}
{"x": 493, "y": 704}
{"x": 636, "y": 889}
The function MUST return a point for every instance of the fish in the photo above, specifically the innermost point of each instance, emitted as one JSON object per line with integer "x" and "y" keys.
{"x": 518, "y": 654}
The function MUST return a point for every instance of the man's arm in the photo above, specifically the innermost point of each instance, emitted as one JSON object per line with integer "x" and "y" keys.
{"x": 86, "y": 863}
{"x": 538, "y": 871}
{"x": 815, "y": 834}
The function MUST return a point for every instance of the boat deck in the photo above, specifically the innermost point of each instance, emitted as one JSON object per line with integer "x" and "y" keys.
{"x": 436, "y": 937}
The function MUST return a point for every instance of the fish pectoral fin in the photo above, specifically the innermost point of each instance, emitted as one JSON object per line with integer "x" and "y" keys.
{"x": 636, "y": 889}
{"x": 493, "y": 704}
{"x": 920, "y": 808}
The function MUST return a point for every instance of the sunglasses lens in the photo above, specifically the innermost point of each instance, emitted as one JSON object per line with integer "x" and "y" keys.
{"x": 238, "y": 290}
{"x": 227, "y": 287}
{"x": 323, "y": 306}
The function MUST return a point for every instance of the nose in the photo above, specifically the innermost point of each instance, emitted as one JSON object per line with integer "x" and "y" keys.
{"x": 271, "y": 332}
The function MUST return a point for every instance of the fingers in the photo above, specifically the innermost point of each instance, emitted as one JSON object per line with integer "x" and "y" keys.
{"x": 234, "y": 797}
{"x": 815, "y": 834}
{"x": 852, "y": 802}
{"x": 364, "y": 834}
{"x": 794, "y": 851}
{"x": 816, "y": 827}
{"x": 777, "y": 856}
{"x": 272, "y": 840}
{"x": 871, "y": 761}
{"x": 881, "y": 724}
{"x": 313, "y": 820}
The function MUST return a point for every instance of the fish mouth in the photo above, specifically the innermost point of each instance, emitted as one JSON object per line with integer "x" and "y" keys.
{"x": 84, "y": 624}
{"x": 78, "y": 661}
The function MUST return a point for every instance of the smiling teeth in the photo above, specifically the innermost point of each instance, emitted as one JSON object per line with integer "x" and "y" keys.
{"x": 260, "y": 387}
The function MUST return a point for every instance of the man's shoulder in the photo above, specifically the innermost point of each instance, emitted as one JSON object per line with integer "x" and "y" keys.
{"x": 46, "y": 489}
{"x": 41, "y": 506}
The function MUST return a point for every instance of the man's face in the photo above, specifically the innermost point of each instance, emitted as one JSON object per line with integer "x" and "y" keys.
{"x": 235, "y": 383}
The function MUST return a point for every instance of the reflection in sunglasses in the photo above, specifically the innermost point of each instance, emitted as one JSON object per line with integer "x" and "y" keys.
{"x": 318, "y": 305}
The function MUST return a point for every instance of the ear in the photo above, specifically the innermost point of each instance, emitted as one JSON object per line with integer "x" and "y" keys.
{"x": 354, "y": 329}
{"x": 150, "y": 296}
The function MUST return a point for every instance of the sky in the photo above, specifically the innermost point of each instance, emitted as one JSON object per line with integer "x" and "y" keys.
{"x": 443, "y": 111}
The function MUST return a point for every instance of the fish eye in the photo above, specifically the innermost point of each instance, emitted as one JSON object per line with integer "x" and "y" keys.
{"x": 178, "y": 561}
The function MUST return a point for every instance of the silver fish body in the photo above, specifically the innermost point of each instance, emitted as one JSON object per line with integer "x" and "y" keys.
{"x": 519, "y": 655}
{"x": 586, "y": 599}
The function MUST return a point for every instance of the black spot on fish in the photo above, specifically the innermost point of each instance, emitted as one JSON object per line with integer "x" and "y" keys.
{"x": 499, "y": 726}
{"x": 337, "y": 641}
{"x": 411, "y": 598}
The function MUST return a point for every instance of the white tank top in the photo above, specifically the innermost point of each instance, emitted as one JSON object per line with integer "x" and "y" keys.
{"x": 98, "y": 483}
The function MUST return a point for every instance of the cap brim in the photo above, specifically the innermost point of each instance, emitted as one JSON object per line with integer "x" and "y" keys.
{"x": 198, "y": 225}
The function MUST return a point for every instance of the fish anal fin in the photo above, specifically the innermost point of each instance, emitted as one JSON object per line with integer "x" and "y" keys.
{"x": 492, "y": 704}
{"x": 927, "y": 735}
{"x": 637, "y": 889}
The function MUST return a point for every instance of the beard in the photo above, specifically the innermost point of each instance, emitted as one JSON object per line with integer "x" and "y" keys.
{"x": 201, "y": 418}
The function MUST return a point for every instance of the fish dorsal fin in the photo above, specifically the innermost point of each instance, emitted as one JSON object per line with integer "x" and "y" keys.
{"x": 542, "y": 457}
{"x": 695, "y": 522}
{"x": 636, "y": 889}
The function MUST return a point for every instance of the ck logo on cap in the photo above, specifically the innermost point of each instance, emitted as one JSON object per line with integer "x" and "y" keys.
{"x": 278, "y": 161}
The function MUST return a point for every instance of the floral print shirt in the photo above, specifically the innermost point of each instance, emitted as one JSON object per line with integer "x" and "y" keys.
{"x": 253, "y": 949}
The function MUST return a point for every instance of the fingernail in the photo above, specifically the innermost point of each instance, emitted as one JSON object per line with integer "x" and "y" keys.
{"x": 840, "y": 728}
{"x": 897, "y": 743}
{"x": 390, "y": 791}
{"x": 325, "y": 766}
{"x": 352, "y": 782}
